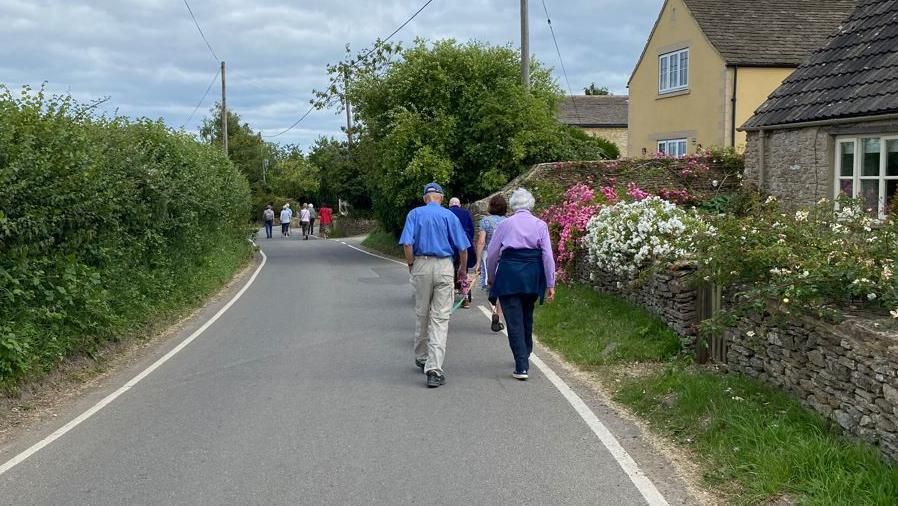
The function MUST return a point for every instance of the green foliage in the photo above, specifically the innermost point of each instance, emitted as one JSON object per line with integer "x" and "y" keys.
{"x": 340, "y": 172}
{"x": 455, "y": 113}
{"x": 591, "y": 329}
{"x": 758, "y": 443}
{"x": 105, "y": 223}
{"x": 592, "y": 89}
{"x": 807, "y": 260}
{"x": 384, "y": 242}
{"x": 295, "y": 176}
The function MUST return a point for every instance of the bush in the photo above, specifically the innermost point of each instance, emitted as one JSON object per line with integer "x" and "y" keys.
{"x": 103, "y": 222}
{"x": 628, "y": 237}
{"x": 807, "y": 259}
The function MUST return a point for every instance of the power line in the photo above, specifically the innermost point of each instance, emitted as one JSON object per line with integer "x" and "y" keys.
{"x": 561, "y": 60}
{"x": 291, "y": 127}
{"x": 200, "y": 103}
{"x": 203, "y": 35}
{"x": 369, "y": 53}
{"x": 403, "y": 25}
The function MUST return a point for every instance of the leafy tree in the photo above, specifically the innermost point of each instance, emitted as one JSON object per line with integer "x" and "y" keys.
{"x": 592, "y": 89}
{"x": 455, "y": 113}
{"x": 246, "y": 149}
{"x": 293, "y": 176}
{"x": 340, "y": 171}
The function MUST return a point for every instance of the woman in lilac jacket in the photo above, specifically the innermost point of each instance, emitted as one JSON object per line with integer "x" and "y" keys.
{"x": 521, "y": 269}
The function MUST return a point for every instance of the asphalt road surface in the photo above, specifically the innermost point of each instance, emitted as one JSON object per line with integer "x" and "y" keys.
{"x": 305, "y": 392}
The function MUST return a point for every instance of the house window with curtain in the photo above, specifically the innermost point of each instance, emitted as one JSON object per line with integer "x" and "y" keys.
{"x": 867, "y": 169}
{"x": 673, "y": 71}
{"x": 675, "y": 148}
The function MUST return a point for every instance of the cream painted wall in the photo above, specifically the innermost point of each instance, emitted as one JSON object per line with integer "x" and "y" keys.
{"x": 753, "y": 86}
{"x": 699, "y": 113}
{"x": 616, "y": 135}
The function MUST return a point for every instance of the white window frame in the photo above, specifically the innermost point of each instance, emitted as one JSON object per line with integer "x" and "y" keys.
{"x": 681, "y": 147}
{"x": 665, "y": 71}
{"x": 857, "y": 169}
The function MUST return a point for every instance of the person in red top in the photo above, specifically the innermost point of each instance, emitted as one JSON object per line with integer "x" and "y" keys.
{"x": 325, "y": 220}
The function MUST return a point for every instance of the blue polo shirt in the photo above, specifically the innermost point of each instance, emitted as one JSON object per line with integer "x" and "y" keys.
{"x": 434, "y": 231}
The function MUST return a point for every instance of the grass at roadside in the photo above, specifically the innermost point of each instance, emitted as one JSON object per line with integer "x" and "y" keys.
{"x": 753, "y": 442}
{"x": 591, "y": 329}
{"x": 758, "y": 442}
{"x": 384, "y": 242}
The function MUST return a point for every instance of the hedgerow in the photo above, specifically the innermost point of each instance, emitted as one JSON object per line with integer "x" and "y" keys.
{"x": 104, "y": 223}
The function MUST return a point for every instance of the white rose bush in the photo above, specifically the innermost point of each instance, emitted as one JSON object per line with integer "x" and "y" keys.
{"x": 629, "y": 237}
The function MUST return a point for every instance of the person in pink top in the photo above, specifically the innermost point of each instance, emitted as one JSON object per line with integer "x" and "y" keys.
{"x": 521, "y": 270}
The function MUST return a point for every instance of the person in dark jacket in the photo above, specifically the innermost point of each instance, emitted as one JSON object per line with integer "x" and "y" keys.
{"x": 467, "y": 223}
{"x": 521, "y": 270}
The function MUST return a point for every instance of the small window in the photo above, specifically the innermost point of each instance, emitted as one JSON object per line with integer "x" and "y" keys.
{"x": 867, "y": 169}
{"x": 673, "y": 71}
{"x": 675, "y": 148}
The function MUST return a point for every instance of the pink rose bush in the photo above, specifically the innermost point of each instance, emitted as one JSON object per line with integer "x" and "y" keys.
{"x": 567, "y": 222}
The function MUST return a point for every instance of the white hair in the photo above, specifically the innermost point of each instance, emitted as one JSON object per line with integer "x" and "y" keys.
{"x": 521, "y": 199}
{"x": 454, "y": 202}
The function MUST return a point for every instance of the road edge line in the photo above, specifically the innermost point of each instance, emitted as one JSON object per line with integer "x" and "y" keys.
{"x": 368, "y": 252}
{"x": 642, "y": 482}
{"x": 58, "y": 433}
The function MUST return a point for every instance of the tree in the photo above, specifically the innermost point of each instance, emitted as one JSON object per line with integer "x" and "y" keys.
{"x": 245, "y": 147}
{"x": 592, "y": 89}
{"x": 293, "y": 176}
{"x": 457, "y": 114}
{"x": 341, "y": 173}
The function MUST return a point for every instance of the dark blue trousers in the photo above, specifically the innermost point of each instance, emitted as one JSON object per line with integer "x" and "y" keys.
{"x": 268, "y": 227}
{"x": 518, "y": 310}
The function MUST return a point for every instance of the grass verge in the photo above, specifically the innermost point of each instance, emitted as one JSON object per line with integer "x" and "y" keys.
{"x": 755, "y": 443}
{"x": 384, "y": 242}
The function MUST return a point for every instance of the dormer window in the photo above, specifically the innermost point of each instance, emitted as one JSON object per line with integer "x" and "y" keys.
{"x": 673, "y": 71}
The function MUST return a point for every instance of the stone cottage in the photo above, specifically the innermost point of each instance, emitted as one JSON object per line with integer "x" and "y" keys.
{"x": 598, "y": 115}
{"x": 832, "y": 127}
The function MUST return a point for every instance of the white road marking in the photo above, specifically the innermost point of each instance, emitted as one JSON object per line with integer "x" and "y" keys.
{"x": 374, "y": 255}
{"x": 626, "y": 462}
{"x": 18, "y": 459}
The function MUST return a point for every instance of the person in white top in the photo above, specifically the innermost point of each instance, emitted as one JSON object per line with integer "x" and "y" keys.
{"x": 286, "y": 216}
{"x": 312, "y": 217}
{"x": 304, "y": 218}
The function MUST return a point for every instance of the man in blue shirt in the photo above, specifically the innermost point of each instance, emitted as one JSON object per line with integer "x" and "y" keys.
{"x": 431, "y": 237}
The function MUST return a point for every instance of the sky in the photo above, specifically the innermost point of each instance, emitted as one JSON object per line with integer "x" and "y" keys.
{"x": 148, "y": 57}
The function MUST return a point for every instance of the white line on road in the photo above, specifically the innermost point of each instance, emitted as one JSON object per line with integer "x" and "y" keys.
{"x": 372, "y": 254}
{"x": 135, "y": 380}
{"x": 626, "y": 462}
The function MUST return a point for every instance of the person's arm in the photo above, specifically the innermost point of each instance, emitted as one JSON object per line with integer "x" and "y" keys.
{"x": 493, "y": 252}
{"x": 545, "y": 243}
{"x": 481, "y": 242}
{"x": 407, "y": 240}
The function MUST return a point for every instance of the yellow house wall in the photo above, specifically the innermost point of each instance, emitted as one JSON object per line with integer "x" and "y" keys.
{"x": 753, "y": 86}
{"x": 618, "y": 136}
{"x": 697, "y": 114}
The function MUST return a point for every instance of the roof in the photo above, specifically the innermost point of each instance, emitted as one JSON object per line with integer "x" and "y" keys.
{"x": 771, "y": 33}
{"x": 854, "y": 74}
{"x": 594, "y": 111}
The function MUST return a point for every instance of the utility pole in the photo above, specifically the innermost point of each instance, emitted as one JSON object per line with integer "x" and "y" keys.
{"x": 224, "y": 111}
{"x": 525, "y": 44}
{"x": 348, "y": 106}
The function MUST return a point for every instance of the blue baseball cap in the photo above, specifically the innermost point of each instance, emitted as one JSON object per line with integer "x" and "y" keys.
{"x": 433, "y": 188}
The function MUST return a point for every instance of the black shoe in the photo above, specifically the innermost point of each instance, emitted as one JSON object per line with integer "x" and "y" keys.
{"x": 420, "y": 364}
{"x": 520, "y": 375}
{"x": 496, "y": 325}
{"x": 435, "y": 379}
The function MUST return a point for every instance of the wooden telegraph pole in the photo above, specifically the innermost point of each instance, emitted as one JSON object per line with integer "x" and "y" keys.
{"x": 348, "y": 107}
{"x": 525, "y": 44}
{"x": 224, "y": 111}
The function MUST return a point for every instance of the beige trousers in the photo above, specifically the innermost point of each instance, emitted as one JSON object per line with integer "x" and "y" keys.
{"x": 434, "y": 282}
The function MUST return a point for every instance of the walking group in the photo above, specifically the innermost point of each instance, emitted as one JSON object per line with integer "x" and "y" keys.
{"x": 307, "y": 217}
{"x": 514, "y": 260}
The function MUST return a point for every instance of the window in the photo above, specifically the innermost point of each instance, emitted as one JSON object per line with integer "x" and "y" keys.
{"x": 867, "y": 168}
{"x": 673, "y": 72}
{"x": 673, "y": 147}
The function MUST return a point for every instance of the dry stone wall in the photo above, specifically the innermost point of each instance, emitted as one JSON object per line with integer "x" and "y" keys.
{"x": 669, "y": 295}
{"x": 846, "y": 372}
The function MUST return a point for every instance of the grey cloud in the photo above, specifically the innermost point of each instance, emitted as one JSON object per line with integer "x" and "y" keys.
{"x": 148, "y": 57}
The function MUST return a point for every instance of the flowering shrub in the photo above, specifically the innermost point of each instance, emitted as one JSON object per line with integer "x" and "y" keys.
{"x": 810, "y": 259}
{"x": 567, "y": 223}
{"x": 630, "y": 236}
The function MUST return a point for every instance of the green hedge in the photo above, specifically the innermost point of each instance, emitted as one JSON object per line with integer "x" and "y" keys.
{"x": 104, "y": 223}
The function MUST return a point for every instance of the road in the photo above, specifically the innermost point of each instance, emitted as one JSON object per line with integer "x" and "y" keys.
{"x": 305, "y": 392}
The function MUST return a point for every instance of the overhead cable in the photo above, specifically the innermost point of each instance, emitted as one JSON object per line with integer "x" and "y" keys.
{"x": 561, "y": 60}
{"x": 203, "y": 35}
